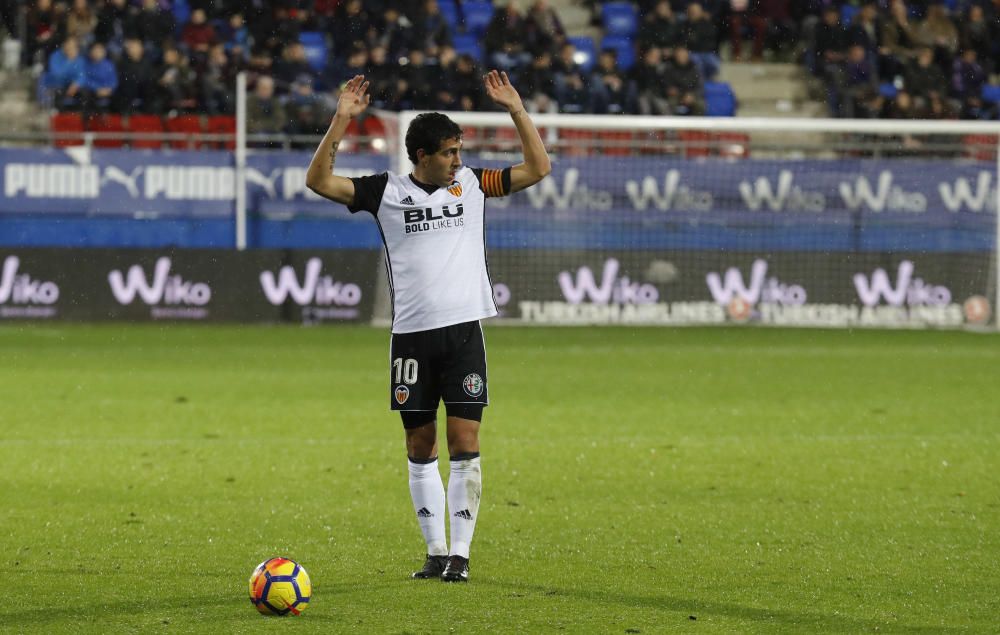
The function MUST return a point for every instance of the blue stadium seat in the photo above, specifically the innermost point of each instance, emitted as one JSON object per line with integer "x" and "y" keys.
{"x": 847, "y": 13}
{"x": 991, "y": 93}
{"x": 316, "y": 48}
{"x": 182, "y": 13}
{"x": 478, "y": 14}
{"x": 619, "y": 18}
{"x": 450, "y": 13}
{"x": 586, "y": 52}
{"x": 468, "y": 43}
{"x": 623, "y": 46}
{"x": 888, "y": 90}
{"x": 720, "y": 101}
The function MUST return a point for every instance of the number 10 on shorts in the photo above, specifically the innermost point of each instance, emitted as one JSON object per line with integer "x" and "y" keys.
{"x": 404, "y": 370}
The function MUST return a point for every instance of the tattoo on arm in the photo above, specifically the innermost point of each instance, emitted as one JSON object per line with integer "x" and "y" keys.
{"x": 333, "y": 154}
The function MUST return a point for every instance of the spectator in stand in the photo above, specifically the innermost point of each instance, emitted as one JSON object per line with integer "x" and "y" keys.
{"x": 135, "y": 74}
{"x": 440, "y": 69}
{"x": 659, "y": 28}
{"x": 650, "y": 79}
{"x": 975, "y": 33}
{"x": 572, "y": 92}
{"x": 293, "y": 65}
{"x": 66, "y": 75}
{"x": 504, "y": 39}
{"x": 176, "y": 84}
{"x": 737, "y": 19}
{"x": 866, "y": 29}
{"x": 355, "y": 64}
{"x": 544, "y": 30}
{"x": 153, "y": 25}
{"x": 304, "y": 108}
{"x": 926, "y": 82}
{"x": 350, "y": 28}
{"x": 114, "y": 21}
{"x": 466, "y": 81}
{"x": 861, "y": 98}
{"x": 685, "y": 92}
{"x": 265, "y": 112}
{"x": 100, "y": 80}
{"x": 396, "y": 33}
{"x": 773, "y": 27}
{"x": 967, "y": 81}
{"x": 81, "y": 22}
{"x": 42, "y": 32}
{"x": 261, "y": 63}
{"x": 381, "y": 75}
{"x": 609, "y": 89}
{"x": 431, "y": 28}
{"x": 699, "y": 37}
{"x": 198, "y": 34}
{"x": 830, "y": 45}
{"x": 898, "y": 45}
{"x": 417, "y": 77}
{"x": 218, "y": 82}
{"x": 538, "y": 84}
{"x": 236, "y": 37}
{"x": 902, "y": 106}
{"x": 939, "y": 32}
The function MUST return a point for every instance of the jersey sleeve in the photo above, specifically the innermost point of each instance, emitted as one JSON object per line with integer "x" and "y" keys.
{"x": 368, "y": 191}
{"x": 493, "y": 182}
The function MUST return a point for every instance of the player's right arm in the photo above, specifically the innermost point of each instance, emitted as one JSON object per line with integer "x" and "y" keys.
{"x": 320, "y": 177}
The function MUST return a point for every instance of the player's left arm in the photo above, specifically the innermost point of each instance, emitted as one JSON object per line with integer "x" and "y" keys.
{"x": 536, "y": 164}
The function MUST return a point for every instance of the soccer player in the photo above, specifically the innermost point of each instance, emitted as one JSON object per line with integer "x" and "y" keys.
{"x": 432, "y": 226}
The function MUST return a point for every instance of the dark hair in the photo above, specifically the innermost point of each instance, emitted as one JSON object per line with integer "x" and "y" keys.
{"x": 427, "y": 131}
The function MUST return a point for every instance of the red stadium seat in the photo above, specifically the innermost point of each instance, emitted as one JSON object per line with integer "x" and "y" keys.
{"x": 145, "y": 124}
{"x": 617, "y": 143}
{"x": 577, "y": 143}
{"x": 734, "y": 145}
{"x": 696, "y": 143}
{"x": 980, "y": 147}
{"x": 109, "y": 130}
{"x": 222, "y": 125}
{"x": 374, "y": 129}
{"x": 63, "y": 124}
{"x": 185, "y": 124}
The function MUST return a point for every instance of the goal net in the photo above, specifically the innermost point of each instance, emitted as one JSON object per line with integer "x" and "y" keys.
{"x": 655, "y": 220}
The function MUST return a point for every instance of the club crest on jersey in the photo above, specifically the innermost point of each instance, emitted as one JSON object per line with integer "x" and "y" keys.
{"x": 473, "y": 384}
{"x": 402, "y": 394}
{"x": 455, "y": 189}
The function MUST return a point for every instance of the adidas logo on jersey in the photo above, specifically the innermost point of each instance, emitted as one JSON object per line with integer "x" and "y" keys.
{"x": 464, "y": 514}
{"x": 407, "y": 201}
{"x": 424, "y": 513}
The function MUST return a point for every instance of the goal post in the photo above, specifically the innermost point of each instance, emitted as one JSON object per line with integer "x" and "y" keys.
{"x": 785, "y": 222}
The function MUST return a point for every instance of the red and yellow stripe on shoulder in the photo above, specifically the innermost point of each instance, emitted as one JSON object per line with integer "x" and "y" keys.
{"x": 493, "y": 182}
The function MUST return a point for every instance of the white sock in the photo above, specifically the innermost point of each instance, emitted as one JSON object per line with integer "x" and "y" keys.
{"x": 427, "y": 492}
{"x": 465, "y": 486}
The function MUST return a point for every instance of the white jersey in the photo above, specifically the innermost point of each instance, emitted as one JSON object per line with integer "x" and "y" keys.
{"x": 435, "y": 245}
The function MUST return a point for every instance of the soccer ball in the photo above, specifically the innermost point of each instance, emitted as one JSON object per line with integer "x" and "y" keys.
{"x": 280, "y": 586}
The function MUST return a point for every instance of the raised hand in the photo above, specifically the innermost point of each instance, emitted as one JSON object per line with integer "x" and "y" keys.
{"x": 500, "y": 90}
{"x": 354, "y": 97}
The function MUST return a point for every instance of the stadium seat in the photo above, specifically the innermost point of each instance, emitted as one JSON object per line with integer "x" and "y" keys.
{"x": 316, "y": 49}
{"x": 991, "y": 93}
{"x": 576, "y": 142}
{"x": 450, "y": 13}
{"x": 468, "y": 44}
{"x": 145, "y": 124}
{"x": 847, "y": 13}
{"x": 888, "y": 90}
{"x": 478, "y": 14}
{"x": 696, "y": 143}
{"x": 64, "y": 124}
{"x": 980, "y": 147}
{"x": 616, "y": 143}
{"x": 189, "y": 125}
{"x": 623, "y": 47}
{"x": 619, "y": 18}
{"x": 720, "y": 101}
{"x": 586, "y": 52}
{"x": 373, "y": 128}
{"x": 109, "y": 130}
{"x": 734, "y": 145}
{"x": 222, "y": 125}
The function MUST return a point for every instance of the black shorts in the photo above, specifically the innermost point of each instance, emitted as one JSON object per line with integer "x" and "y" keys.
{"x": 446, "y": 364}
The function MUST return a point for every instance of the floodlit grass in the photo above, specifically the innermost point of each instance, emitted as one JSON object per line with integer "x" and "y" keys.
{"x": 635, "y": 480}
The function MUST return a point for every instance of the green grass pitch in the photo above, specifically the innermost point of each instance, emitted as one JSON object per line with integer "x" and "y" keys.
{"x": 635, "y": 481}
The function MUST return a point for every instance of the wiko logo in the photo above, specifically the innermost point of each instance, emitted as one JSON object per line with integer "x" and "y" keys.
{"x": 314, "y": 290}
{"x": 885, "y": 197}
{"x": 673, "y": 196}
{"x": 613, "y": 288}
{"x": 787, "y": 196}
{"x": 575, "y": 195}
{"x": 961, "y": 195}
{"x": 907, "y": 290}
{"x": 761, "y": 288}
{"x": 21, "y": 289}
{"x": 162, "y": 289}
